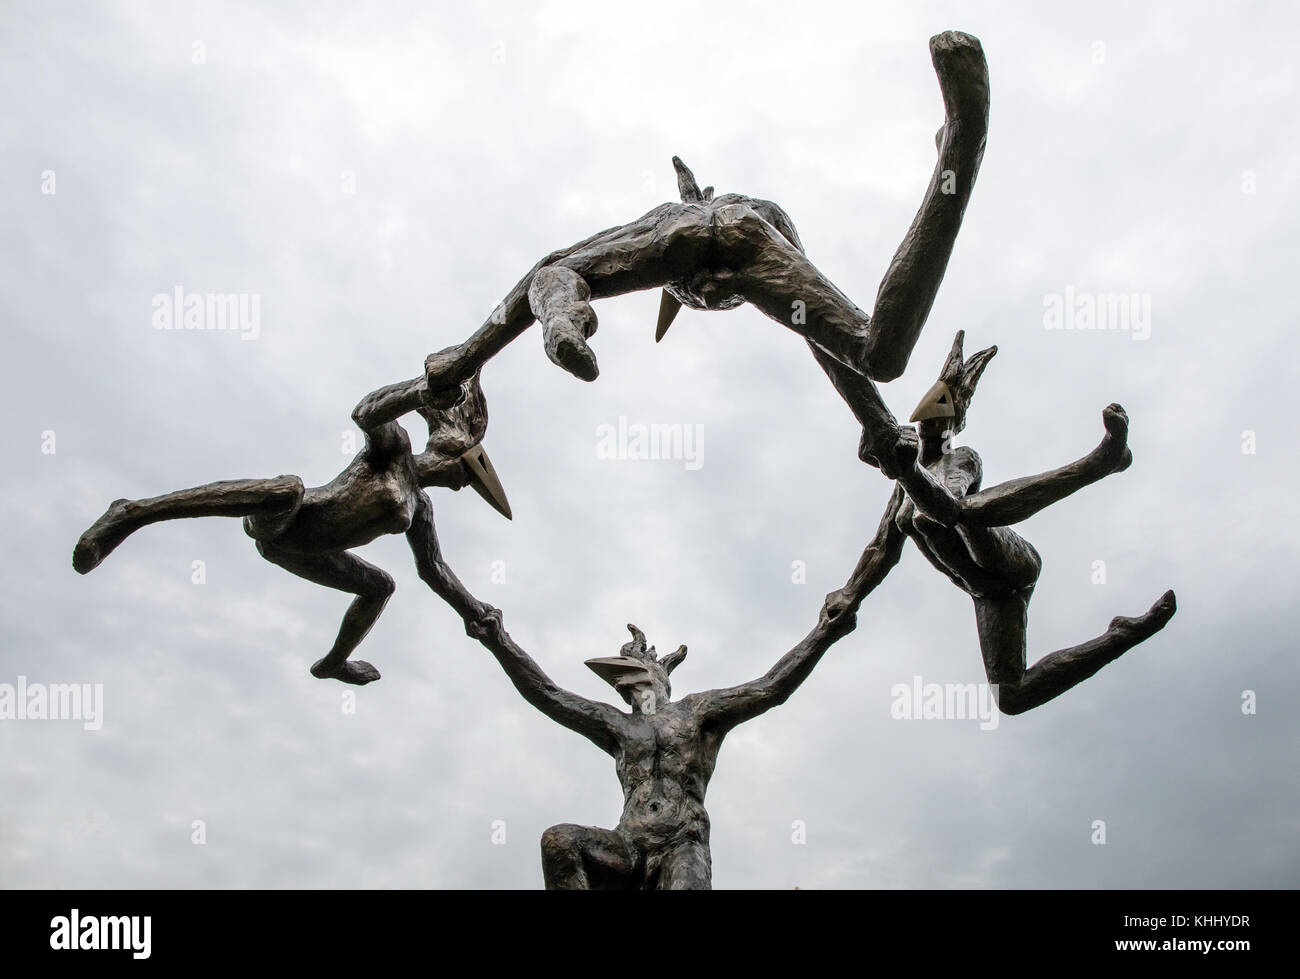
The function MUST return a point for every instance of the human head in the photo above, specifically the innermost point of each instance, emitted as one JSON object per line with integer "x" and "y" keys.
{"x": 637, "y": 673}
{"x": 455, "y": 437}
{"x": 942, "y": 410}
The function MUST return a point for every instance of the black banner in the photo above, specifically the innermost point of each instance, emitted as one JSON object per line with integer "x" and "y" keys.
{"x": 148, "y": 929}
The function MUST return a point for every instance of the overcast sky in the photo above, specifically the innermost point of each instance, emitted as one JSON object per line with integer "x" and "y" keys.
{"x": 380, "y": 179}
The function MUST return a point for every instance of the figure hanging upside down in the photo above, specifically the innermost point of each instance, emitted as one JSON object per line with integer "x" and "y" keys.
{"x": 963, "y": 531}
{"x": 309, "y": 531}
{"x": 717, "y": 252}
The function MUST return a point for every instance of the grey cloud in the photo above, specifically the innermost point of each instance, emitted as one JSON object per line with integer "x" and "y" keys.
{"x": 479, "y": 142}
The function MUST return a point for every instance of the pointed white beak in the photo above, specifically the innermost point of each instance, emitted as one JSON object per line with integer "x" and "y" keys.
{"x": 483, "y": 477}
{"x": 936, "y": 403}
{"x": 668, "y": 310}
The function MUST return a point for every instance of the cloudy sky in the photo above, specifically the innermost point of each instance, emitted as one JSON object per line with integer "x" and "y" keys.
{"x": 379, "y": 179}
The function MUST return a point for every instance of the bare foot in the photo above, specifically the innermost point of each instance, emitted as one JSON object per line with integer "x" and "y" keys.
{"x": 963, "y": 74}
{"x": 354, "y": 671}
{"x": 103, "y": 536}
{"x": 1114, "y": 447}
{"x": 1148, "y": 623}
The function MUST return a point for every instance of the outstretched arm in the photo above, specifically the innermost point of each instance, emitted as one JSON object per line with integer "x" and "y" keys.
{"x": 388, "y": 404}
{"x": 599, "y": 723}
{"x": 733, "y": 705}
{"x": 939, "y": 502}
{"x": 376, "y": 415}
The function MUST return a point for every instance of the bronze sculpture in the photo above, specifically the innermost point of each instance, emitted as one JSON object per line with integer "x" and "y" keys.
{"x": 310, "y": 531}
{"x": 664, "y": 750}
{"x": 708, "y": 253}
{"x": 963, "y": 531}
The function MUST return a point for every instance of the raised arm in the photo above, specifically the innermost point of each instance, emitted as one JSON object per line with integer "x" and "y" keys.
{"x": 731, "y": 706}
{"x": 388, "y": 404}
{"x": 599, "y": 723}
